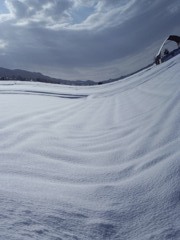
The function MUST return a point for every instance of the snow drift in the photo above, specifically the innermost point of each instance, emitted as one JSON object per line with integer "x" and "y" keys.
{"x": 99, "y": 162}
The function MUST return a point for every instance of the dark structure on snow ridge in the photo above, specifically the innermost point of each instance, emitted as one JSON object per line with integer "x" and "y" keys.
{"x": 166, "y": 55}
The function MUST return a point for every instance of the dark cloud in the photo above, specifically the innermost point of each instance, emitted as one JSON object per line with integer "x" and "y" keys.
{"x": 116, "y": 37}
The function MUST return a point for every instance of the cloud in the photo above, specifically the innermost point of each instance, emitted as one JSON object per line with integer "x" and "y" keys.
{"x": 3, "y": 44}
{"x": 174, "y": 8}
{"x": 55, "y": 12}
{"x": 85, "y": 39}
{"x": 25, "y": 12}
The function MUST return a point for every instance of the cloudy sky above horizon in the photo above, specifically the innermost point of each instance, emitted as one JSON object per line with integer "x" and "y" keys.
{"x": 84, "y": 39}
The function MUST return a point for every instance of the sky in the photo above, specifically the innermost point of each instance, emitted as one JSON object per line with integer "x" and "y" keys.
{"x": 84, "y": 39}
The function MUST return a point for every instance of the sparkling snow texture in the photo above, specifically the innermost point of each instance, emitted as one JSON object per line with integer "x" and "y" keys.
{"x": 87, "y": 163}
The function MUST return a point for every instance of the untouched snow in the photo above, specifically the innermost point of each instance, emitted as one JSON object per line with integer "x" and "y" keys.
{"x": 99, "y": 162}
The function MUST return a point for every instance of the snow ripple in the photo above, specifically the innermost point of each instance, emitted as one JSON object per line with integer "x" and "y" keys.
{"x": 74, "y": 166}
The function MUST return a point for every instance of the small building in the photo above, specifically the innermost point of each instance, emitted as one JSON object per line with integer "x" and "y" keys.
{"x": 165, "y": 54}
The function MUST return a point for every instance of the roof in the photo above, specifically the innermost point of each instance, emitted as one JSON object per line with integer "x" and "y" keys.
{"x": 174, "y": 38}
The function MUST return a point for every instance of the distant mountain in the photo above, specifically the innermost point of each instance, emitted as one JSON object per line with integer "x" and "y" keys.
{"x": 22, "y": 75}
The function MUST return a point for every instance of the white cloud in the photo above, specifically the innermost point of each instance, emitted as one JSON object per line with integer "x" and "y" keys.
{"x": 59, "y": 13}
{"x": 46, "y": 12}
{"x": 3, "y": 44}
{"x": 174, "y": 8}
{"x": 105, "y": 13}
{"x": 5, "y": 17}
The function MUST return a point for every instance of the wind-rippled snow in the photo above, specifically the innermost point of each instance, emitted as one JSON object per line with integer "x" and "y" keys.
{"x": 99, "y": 162}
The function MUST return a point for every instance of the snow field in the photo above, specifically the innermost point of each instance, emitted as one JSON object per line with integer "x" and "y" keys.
{"x": 99, "y": 162}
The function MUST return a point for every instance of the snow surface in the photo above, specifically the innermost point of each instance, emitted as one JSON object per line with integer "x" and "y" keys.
{"x": 99, "y": 162}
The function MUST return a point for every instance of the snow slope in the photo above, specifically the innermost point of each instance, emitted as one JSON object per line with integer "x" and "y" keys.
{"x": 99, "y": 162}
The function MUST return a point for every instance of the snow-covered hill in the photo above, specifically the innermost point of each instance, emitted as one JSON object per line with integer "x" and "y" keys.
{"x": 99, "y": 162}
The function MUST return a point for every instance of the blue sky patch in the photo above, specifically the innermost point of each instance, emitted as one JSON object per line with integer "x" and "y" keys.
{"x": 81, "y": 14}
{"x": 3, "y": 8}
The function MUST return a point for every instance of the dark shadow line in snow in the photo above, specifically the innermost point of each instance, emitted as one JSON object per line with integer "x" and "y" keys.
{"x": 27, "y": 92}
